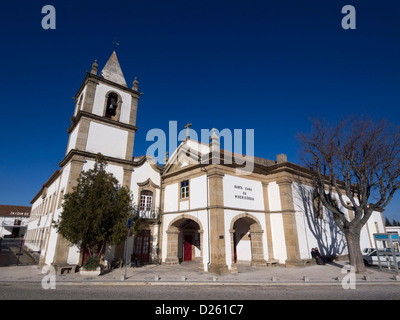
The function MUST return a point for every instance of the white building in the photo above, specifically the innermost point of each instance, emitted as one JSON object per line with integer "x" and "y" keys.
{"x": 195, "y": 209}
{"x": 13, "y": 221}
{"x": 218, "y": 217}
{"x": 393, "y": 229}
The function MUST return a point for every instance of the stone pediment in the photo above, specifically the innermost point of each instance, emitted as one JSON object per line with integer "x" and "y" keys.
{"x": 148, "y": 183}
{"x": 182, "y": 158}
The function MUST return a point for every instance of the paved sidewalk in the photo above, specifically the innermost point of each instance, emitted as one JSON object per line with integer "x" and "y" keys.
{"x": 187, "y": 273}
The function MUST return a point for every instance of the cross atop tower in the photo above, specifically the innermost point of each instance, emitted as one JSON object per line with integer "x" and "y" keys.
{"x": 187, "y": 129}
{"x": 115, "y": 44}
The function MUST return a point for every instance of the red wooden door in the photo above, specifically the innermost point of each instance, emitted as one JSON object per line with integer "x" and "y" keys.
{"x": 188, "y": 248}
{"x": 143, "y": 246}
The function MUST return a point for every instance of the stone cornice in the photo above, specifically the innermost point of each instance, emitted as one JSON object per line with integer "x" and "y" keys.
{"x": 95, "y": 78}
{"x": 54, "y": 176}
{"x": 75, "y": 121}
{"x": 85, "y": 154}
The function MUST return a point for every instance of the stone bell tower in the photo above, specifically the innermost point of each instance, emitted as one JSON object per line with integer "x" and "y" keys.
{"x": 104, "y": 121}
{"x": 105, "y": 117}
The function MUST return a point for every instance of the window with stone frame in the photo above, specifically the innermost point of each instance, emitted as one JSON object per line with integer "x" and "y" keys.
{"x": 146, "y": 200}
{"x": 185, "y": 189}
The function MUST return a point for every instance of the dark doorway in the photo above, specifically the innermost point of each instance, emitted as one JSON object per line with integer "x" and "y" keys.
{"x": 187, "y": 256}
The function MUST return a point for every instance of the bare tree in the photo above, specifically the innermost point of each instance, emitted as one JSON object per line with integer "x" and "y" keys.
{"x": 356, "y": 168}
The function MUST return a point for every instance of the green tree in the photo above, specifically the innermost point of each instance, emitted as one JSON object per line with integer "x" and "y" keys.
{"x": 96, "y": 211}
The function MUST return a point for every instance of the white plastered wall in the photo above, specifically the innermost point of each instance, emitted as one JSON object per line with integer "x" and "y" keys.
{"x": 324, "y": 233}
{"x": 171, "y": 198}
{"x": 107, "y": 140}
{"x": 72, "y": 138}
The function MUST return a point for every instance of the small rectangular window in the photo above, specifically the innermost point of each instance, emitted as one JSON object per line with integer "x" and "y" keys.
{"x": 185, "y": 189}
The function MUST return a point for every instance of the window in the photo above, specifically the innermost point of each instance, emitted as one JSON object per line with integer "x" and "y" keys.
{"x": 145, "y": 206}
{"x": 185, "y": 189}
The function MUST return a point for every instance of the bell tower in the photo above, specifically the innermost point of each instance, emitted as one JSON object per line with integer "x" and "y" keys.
{"x": 104, "y": 121}
{"x": 105, "y": 114}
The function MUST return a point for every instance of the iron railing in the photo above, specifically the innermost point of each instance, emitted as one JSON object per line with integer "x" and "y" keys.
{"x": 146, "y": 213}
{"x": 14, "y": 223}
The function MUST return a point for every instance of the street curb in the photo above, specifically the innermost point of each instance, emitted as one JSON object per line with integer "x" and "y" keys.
{"x": 247, "y": 284}
{"x": 176, "y": 283}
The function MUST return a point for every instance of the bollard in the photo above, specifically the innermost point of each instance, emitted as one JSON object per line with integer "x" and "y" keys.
{"x": 397, "y": 278}
{"x": 215, "y": 278}
{"x": 183, "y": 278}
{"x": 157, "y": 278}
{"x": 274, "y": 279}
{"x": 306, "y": 279}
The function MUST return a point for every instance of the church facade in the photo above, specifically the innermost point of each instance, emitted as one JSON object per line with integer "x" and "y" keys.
{"x": 214, "y": 214}
{"x": 197, "y": 206}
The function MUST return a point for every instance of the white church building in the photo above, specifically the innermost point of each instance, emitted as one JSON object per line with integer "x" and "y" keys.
{"x": 197, "y": 206}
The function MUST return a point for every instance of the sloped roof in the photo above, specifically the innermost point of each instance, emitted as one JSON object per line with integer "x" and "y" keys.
{"x": 112, "y": 70}
{"x": 198, "y": 149}
{"x": 14, "y": 211}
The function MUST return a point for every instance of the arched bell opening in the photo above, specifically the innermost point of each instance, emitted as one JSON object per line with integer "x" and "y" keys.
{"x": 113, "y": 104}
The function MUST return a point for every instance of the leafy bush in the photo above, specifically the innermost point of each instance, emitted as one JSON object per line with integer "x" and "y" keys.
{"x": 92, "y": 262}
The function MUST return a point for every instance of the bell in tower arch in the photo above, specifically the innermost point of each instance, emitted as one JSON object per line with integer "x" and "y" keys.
{"x": 112, "y": 104}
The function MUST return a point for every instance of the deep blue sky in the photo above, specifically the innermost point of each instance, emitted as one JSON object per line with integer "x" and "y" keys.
{"x": 262, "y": 65}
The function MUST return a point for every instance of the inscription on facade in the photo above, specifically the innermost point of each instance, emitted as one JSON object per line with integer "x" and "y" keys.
{"x": 246, "y": 193}
{"x": 13, "y": 213}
